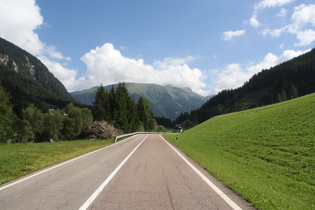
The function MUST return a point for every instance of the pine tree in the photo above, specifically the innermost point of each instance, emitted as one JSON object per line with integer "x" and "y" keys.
{"x": 293, "y": 92}
{"x": 121, "y": 113}
{"x": 133, "y": 116}
{"x": 101, "y": 105}
{"x": 145, "y": 114}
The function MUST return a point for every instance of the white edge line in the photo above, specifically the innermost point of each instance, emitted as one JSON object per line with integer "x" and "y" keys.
{"x": 56, "y": 166}
{"x": 213, "y": 186}
{"x": 109, "y": 178}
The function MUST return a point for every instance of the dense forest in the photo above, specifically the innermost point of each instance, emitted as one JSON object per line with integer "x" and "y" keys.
{"x": 119, "y": 109}
{"x": 34, "y": 125}
{"x": 283, "y": 82}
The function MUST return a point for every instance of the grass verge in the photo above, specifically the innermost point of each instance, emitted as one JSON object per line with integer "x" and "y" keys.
{"x": 266, "y": 155}
{"x": 17, "y": 160}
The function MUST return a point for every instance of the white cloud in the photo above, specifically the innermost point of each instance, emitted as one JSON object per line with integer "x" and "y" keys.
{"x": 271, "y": 3}
{"x": 267, "y": 4}
{"x": 65, "y": 75}
{"x": 18, "y": 20}
{"x": 306, "y": 37}
{"x": 234, "y": 75}
{"x": 282, "y": 13}
{"x": 271, "y": 60}
{"x": 253, "y": 21}
{"x": 106, "y": 65}
{"x": 228, "y": 35}
{"x": 302, "y": 18}
{"x": 231, "y": 77}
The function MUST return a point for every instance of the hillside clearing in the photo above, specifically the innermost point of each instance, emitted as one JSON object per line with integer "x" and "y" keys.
{"x": 266, "y": 155}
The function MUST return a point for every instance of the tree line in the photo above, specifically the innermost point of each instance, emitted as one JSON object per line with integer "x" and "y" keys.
{"x": 37, "y": 126}
{"x": 123, "y": 112}
{"x": 34, "y": 125}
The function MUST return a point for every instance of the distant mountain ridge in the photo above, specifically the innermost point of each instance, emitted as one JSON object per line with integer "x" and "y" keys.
{"x": 28, "y": 80}
{"x": 166, "y": 101}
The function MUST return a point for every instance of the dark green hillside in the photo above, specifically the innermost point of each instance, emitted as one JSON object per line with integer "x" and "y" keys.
{"x": 283, "y": 82}
{"x": 166, "y": 101}
{"x": 28, "y": 80}
{"x": 267, "y": 154}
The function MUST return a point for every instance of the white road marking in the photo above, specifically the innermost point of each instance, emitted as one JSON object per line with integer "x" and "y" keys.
{"x": 213, "y": 186}
{"x": 103, "y": 185}
{"x": 56, "y": 166}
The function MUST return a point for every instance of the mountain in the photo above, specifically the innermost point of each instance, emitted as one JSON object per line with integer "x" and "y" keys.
{"x": 285, "y": 81}
{"x": 28, "y": 80}
{"x": 166, "y": 101}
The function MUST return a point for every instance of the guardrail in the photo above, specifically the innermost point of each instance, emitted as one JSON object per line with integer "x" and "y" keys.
{"x": 135, "y": 133}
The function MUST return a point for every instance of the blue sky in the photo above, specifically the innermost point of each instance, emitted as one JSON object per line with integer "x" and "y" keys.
{"x": 206, "y": 45}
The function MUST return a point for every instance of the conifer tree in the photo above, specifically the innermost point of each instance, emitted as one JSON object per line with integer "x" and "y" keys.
{"x": 293, "y": 92}
{"x": 145, "y": 114}
{"x": 121, "y": 111}
{"x": 101, "y": 105}
{"x": 133, "y": 116}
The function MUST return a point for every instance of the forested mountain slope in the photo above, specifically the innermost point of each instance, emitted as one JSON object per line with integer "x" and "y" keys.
{"x": 288, "y": 80}
{"x": 28, "y": 80}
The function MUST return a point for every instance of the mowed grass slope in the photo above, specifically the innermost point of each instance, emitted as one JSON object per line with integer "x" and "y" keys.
{"x": 17, "y": 160}
{"x": 266, "y": 155}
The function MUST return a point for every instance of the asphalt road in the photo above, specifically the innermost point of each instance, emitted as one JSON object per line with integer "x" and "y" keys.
{"x": 142, "y": 172}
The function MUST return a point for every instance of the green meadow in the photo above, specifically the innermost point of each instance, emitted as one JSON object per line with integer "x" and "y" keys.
{"x": 266, "y": 155}
{"x": 17, "y": 160}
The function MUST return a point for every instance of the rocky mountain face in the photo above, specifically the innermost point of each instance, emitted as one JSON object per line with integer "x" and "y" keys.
{"x": 166, "y": 101}
{"x": 28, "y": 80}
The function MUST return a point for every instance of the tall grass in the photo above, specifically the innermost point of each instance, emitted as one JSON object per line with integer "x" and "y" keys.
{"x": 266, "y": 155}
{"x": 17, "y": 160}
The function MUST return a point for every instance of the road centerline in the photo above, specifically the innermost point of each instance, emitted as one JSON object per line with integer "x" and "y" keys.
{"x": 108, "y": 179}
{"x": 211, "y": 184}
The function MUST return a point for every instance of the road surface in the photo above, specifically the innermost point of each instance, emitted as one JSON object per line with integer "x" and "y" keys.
{"x": 142, "y": 172}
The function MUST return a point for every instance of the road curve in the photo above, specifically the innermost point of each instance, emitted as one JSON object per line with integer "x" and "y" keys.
{"x": 142, "y": 172}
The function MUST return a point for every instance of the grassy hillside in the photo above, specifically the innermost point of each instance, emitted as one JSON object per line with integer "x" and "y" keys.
{"x": 267, "y": 155}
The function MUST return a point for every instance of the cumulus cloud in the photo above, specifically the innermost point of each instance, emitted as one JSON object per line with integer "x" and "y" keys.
{"x": 106, "y": 65}
{"x": 228, "y": 35}
{"x": 19, "y": 19}
{"x": 302, "y": 19}
{"x": 234, "y": 75}
{"x": 231, "y": 77}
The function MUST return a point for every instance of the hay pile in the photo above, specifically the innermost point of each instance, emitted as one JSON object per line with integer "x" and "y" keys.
{"x": 100, "y": 130}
